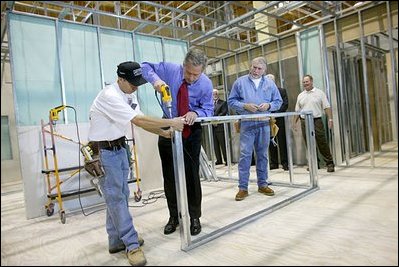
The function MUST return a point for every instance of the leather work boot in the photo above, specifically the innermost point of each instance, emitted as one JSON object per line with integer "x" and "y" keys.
{"x": 136, "y": 257}
{"x": 241, "y": 195}
{"x": 121, "y": 247}
{"x": 170, "y": 227}
{"x": 195, "y": 226}
{"x": 266, "y": 191}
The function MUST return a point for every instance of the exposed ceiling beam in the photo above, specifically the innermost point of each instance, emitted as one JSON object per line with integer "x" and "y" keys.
{"x": 104, "y": 13}
{"x": 179, "y": 16}
{"x": 234, "y": 21}
{"x": 325, "y": 10}
{"x": 269, "y": 14}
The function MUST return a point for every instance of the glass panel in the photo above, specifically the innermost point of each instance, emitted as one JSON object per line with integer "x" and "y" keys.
{"x": 35, "y": 68}
{"x": 148, "y": 49}
{"x": 81, "y": 67}
{"x": 6, "y": 152}
{"x": 116, "y": 47}
{"x": 311, "y": 56}
{"x": 175, "y": 51}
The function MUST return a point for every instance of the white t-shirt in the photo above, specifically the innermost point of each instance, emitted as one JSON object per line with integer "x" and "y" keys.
{"x": 314, "y": 100}
{"x": 256, "y": 82}
{"x": 110, "y": 114}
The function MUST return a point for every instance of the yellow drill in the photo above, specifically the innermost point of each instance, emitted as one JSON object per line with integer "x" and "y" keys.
{"x": 54, "y": 112}
{"x": 167, "y": 98}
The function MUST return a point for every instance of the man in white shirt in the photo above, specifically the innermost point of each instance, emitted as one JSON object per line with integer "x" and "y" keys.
{"x": 315, "y": 100}
{"x": 111, "y": 114}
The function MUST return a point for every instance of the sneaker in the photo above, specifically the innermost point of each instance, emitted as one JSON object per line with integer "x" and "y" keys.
{"x": 136, "y": 257}
{"x": 121, "y": 247}
{"x": 266, "y": 191}
{"x": 241, "y": 195}
{"x": 330, "y": 169}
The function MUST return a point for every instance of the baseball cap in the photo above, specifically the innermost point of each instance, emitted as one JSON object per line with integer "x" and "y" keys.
{"x": 131, "y": 71}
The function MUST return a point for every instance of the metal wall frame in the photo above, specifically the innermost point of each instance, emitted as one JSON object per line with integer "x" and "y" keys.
{"x": 187, "y": 243}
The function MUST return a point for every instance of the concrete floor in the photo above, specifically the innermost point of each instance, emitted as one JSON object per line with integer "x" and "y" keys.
{"x": 351, "y": 220}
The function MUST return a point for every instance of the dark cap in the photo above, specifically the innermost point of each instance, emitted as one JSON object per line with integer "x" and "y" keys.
{"x": 131, "y": 71}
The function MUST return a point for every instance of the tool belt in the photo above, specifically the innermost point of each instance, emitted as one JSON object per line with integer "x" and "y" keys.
{"x": 112, "y": 145}
{"x": 94, "y": 168}
{"x": 92, "y": 163}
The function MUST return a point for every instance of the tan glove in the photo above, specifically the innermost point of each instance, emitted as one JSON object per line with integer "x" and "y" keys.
{"x": 237, "y": 126}
{"x": 273, "y": 128}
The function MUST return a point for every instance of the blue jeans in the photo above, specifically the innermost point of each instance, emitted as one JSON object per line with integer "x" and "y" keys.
{"x": 114, "y": 186}
{"x": 253, "y": 135}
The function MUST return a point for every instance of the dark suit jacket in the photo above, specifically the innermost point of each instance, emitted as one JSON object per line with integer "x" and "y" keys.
{"x": 284, "y": 105}
{"x": 220, "y": 109}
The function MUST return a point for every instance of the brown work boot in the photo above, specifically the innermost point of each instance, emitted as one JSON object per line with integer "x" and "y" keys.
{"x": 122, "y": 247}
{"x": 266, "y": 190}
{"x": 136, "y": 257}
{"x": 241, "y": 195}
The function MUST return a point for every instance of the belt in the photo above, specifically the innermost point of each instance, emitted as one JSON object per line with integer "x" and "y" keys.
{"x": 313, "y": 119}
{"x": 112, "y": 145}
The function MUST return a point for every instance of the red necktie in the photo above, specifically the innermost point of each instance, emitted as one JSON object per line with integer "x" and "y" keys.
{"x": 182, "y": 106}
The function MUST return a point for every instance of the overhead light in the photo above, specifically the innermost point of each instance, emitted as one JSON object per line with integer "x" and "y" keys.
{"x": 280, "y": 4}
{"x": 358, "y": 4}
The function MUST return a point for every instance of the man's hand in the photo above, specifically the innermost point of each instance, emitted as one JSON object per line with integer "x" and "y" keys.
{"x": 190, "y": 117}
{"x": 330, "y": 123}
{"x": 264, "y": 106}
{"x": 167, "y": 133}
{"x": 158, "y": 84}
{"x": 251, "y": 107}
{"x": 177, "y": 123}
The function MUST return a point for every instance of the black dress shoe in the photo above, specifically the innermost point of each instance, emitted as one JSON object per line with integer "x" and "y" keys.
{"x": 195, "y": 227}
{"x": 218, "y": 163}
{"x": 285, "y": 167}
{"x": 273, "y": 166}
{"x": 170, "y": 227}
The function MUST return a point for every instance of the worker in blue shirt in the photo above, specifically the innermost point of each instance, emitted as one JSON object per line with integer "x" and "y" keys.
{"x": 254, "y": 94}
{"x": 191, "y": 92}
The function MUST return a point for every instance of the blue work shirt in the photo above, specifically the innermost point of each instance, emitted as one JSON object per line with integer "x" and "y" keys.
{"x": 244, "y": 91}
{"x": 199, "y": 92}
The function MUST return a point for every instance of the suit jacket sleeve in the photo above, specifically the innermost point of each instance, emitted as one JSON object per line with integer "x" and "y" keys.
{"x": 223, "y": 109}
{"x": 284, "y": 96}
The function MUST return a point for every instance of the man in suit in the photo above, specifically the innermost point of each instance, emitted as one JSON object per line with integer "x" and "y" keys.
{"x": 281, "y": 139}
{"x": 191, "y": 91}
{"x": 220, "y": 109}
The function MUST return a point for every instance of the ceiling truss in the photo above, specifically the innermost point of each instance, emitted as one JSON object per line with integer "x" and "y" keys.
{"x": 220, "y": 27}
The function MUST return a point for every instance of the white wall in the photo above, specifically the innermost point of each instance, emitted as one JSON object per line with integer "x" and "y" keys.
{"x": 10, "y": 171}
